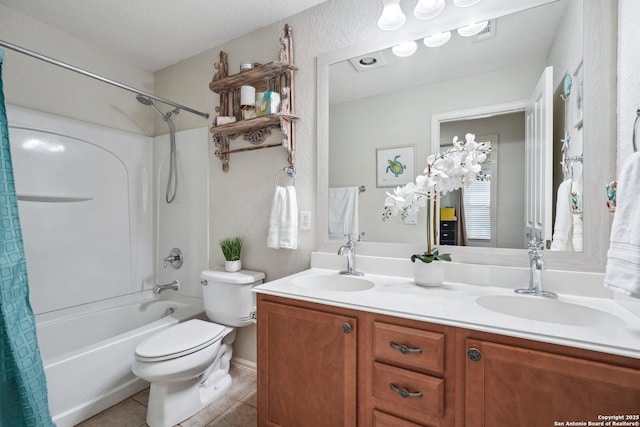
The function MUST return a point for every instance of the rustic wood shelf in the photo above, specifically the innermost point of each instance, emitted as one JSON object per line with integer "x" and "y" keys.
{"x": 276, "y": 76}
{"x": 256, "y": 75}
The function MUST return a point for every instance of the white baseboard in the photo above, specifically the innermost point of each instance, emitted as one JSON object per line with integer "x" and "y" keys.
{"x": 244, "y": 363}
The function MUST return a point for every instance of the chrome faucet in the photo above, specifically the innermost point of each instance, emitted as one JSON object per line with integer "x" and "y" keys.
{"x": 536, "y": 265}
{"x": 175, "y": 285}
{"x": 349, "y": 249}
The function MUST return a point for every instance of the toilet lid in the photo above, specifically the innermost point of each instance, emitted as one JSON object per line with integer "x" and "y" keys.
{"x": 179, "y": 340}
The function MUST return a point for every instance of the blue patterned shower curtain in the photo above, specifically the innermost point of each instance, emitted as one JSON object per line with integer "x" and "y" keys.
{"x": 23, "y": 386}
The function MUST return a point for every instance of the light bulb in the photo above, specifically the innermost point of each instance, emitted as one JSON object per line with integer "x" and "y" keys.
{"x": 436, "y": 40}
{"x": 405, "y": 49}
{"x": 427, "y": 9}
{"x": 392, "y": 17}
{"x": 473, "y": 29}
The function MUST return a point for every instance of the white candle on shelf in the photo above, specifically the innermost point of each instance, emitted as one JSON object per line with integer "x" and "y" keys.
{"x": 247, "y": 95}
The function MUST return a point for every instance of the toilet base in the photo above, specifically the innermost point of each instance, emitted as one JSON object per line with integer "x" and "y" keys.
{"x": 173, "y": 402}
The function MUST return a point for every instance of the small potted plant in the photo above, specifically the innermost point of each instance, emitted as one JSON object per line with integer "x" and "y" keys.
{"x": 231, "y": 248}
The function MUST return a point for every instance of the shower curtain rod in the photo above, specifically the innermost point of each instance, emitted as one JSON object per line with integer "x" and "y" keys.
{"x": 98, "y": 77}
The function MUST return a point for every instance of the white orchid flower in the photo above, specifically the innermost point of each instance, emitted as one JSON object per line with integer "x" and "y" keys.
{"x": 446, "y": 172}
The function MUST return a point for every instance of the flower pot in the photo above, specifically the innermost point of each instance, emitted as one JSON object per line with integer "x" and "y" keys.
{"x": 232, "y": 266}
{"x": 428, "y": 273}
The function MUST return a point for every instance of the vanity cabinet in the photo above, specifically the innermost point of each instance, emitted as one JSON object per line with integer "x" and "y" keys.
{"x": 306, "y": 366}
{"x": 410, "y": 372}
{"x": 512, "y": 385}
{"x": 320, "y": 365}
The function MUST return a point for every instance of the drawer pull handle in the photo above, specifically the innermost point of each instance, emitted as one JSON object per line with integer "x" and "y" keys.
{"x": 404, "y": 392}
{"x": 404, "y": 349}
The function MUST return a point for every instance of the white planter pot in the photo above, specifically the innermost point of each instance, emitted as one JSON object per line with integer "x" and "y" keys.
{"x": 428, "y": 273}
{"x": 232, "y": 266}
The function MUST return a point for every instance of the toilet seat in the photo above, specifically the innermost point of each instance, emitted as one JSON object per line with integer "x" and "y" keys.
{"x": 179, "y": 340}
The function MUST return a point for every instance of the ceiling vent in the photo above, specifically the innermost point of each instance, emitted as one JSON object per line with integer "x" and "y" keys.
{"x": 368, "y": 62}
{"x": 488, "y": 33}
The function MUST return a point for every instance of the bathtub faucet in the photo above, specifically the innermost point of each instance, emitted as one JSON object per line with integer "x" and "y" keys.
{"x": 175, "y": 285}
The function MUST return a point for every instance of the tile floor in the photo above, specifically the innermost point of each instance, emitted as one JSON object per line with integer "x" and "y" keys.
{"x": 237, "y": 408}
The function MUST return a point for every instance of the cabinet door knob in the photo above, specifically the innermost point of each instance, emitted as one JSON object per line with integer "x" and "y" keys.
{"x": 404, "y": 349}
{"x": 403, "y": 392}
{"x": 346, "y": 328}
{"x": 474, "y": 354}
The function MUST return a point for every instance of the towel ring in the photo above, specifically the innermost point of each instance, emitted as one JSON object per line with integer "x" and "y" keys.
{"x": 289, "y": 170}
{"x": 635, "y": 130}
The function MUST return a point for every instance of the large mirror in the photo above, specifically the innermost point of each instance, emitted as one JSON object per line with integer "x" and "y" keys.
{"x": 411, "y": 106}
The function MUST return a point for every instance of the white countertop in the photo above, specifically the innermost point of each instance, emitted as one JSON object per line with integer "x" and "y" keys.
{"x": 455, "y": 304}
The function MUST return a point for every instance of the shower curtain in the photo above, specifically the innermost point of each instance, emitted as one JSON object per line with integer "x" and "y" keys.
{"x": 23, "y": 387}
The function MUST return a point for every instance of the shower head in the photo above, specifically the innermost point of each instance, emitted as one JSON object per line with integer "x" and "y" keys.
{"x": 145, "y": 100}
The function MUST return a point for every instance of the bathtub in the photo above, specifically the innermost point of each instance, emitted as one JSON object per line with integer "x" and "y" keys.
{"x": 87, "y": 350}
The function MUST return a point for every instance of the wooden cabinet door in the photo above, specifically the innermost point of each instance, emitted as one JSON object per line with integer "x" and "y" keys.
{"x": 512, "y": 386}
{"x": 306, "y": 367}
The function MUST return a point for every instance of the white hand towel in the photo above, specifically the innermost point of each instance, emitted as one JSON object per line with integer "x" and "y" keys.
{"x": 343, "y": 212}
{"x": 283, "y": 224}
{"x": 564, "y": 221}
{"x": 623, "y": 257}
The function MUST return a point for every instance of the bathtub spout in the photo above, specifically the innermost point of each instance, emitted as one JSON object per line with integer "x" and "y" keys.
{"x": 175, "y": 285}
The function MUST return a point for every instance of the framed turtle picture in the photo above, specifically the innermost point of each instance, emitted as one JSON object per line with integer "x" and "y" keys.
{"x": 395, "y": 165}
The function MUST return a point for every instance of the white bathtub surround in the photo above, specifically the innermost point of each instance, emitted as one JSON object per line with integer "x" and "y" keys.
{"x": 92, "y": 273}
{"x": 77, "y": 253}
{"x": 459, "y": 302}
{"x": 105, "y": 335}
{"x": 184, "y": 223}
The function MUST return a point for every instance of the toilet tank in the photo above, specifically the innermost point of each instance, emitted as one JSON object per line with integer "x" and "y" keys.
{"x": 228, "y": 297}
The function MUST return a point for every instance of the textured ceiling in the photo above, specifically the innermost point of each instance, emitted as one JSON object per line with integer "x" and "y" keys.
{"x": 153, "y": 34}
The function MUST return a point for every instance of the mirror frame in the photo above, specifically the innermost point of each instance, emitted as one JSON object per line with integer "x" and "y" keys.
{"x": 600, "y": 18}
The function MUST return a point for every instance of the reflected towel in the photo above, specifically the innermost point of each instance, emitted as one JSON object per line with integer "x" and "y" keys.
{"x": 283, "y": 225}
{"x": 576, "y": 235}
{"x": 623, "y": 257}
{"x": 343, "y": 212}
{"x": 564, "y": 221}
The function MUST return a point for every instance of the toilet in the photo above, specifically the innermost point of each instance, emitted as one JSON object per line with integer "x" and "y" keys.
{"x": 188, "y": 364}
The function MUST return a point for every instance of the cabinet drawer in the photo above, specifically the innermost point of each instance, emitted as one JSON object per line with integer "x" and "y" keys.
{"x": 447, "y": 235}
{"x": 408, "y": 347}
{"x": 380, "y": 419}
{"x": 427, "y": 393}
{"x": 447, "y": 225}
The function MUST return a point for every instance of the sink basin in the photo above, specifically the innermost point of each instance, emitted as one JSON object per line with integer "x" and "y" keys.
{"x": 335, "y": 282}
{"x": 549, "y": 310}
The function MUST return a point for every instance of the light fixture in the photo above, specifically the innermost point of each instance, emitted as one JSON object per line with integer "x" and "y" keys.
{"x": 473, "y": 29}
{"x": 465, "y": 3}
{"x": 392, "y": 17}
{"x": 405, "y": 49}
{"x": 436, "y": 40}
{"x": 368, "y": 61}
{"x": 427, "y": 9}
